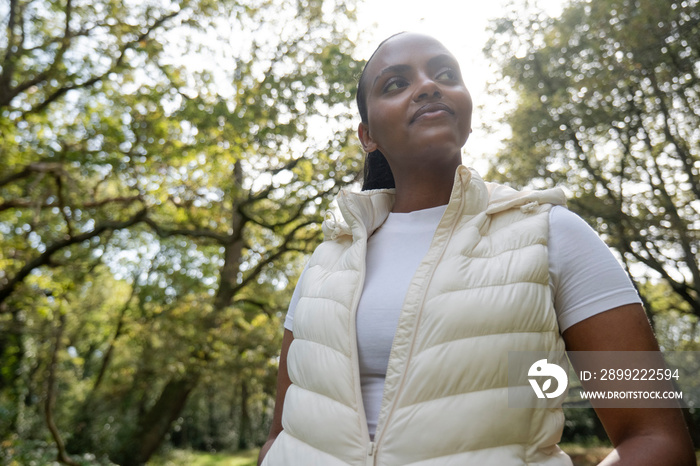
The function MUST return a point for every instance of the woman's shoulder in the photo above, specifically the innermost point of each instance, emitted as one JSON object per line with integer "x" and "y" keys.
{"x": 502, "y": 197}
{"x": 568, "y": 224}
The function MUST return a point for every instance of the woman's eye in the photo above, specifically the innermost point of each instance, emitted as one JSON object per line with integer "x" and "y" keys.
{"x": 449, "y": 75}
{"x": 394, "y": 84}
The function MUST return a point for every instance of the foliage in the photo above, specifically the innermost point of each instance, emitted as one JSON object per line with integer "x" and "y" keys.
{"x": 676, "y": 327}
{"x": 612, "y": 114}
{"x": 606, "y": 101}
{"x": 153, "y": 216}
{"x": 17, "y": 452}
{"x": 243, "y": 458}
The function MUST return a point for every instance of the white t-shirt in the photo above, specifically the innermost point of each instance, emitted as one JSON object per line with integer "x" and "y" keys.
{"x": 585, "y": 279}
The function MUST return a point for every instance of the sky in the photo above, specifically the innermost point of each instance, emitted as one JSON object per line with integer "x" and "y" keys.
{"x": 461, "y": 25}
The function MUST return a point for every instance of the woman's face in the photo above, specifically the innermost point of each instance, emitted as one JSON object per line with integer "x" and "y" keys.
{"x": 418, "y": 108}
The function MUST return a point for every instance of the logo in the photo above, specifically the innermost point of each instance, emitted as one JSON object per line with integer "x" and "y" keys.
{"x": 542, "y": 368}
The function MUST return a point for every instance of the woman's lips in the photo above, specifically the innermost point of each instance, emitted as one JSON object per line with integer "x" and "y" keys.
{"x": 433, "y": 107}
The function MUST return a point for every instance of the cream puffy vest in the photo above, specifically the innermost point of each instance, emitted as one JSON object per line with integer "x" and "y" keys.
{"x": 481, "y": 291}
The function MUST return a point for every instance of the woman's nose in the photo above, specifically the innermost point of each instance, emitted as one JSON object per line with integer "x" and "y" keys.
{"x": 427, "y": 89}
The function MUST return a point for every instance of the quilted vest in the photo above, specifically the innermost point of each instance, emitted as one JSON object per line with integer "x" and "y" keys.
{"x": 481, "y": 291}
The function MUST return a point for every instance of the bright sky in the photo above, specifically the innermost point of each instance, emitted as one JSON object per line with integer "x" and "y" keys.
{"x": 462, "y": 27}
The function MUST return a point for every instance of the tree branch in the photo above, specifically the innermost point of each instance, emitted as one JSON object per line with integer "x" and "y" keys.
{"x": 10, "y": 31}
{"x": 679, "y": 224}
{"x": 678, "y": 143}
{"x": 682, "y": 289}
{"x": 37, "y": 167}
{"x": 266, "y": 191}
{"x": 261, "y": 305}
{"x": 116, "y": 64}
{"x": 69, "y": 13}
{"x": 27, "y": 203}
{"x": 45, "y": 257}
{"x": 62, "y": 205}
{"x": 8, "y": 64}
{"x": 283, "y": 248}
{"x": 110, "y": 349}
{"x": 204, "y": 233}
{"x": 274, "y": 226}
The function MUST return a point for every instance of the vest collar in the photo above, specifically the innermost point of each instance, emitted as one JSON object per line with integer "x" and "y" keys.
{"x": 365, "y": 211}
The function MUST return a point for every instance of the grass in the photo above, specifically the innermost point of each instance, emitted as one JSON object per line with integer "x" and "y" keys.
{"x": 585, "y": 455}
{"x": 17, "y": 454}
{"x": 580, "y": 455}
{"x": 195, "y": 458}
{"x": 592, "y": 455}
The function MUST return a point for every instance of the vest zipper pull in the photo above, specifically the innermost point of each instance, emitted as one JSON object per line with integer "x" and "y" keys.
{"x": 371, "y": 449}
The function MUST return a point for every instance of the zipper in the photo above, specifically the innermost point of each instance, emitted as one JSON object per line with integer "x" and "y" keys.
{"x": 370, "y": 454}
{"x": 355, "y": 353}
{"x": 379, "y": 434}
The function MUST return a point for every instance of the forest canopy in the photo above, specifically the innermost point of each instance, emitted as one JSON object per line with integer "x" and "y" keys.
{"x": 153, "y": 211}
{"x": 165, "y": 167}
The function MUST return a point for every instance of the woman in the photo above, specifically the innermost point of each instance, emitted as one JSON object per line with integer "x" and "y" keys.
{"x": 398, "y": 333}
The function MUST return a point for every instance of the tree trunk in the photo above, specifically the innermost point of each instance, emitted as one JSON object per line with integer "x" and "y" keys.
{"x": 692, "y": 427}
{"x": 11, "y": 356}
{"x": 61, "y": 455}
{"x": 213, "y": 420}
{"x": 153, "y": 427}
{"x": 80, "y": 441}
{"x": 244, "y": 427}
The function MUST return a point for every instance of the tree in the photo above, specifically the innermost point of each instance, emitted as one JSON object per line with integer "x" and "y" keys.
{"x": 198, "y": 192}
{"x": 607, "y": 103}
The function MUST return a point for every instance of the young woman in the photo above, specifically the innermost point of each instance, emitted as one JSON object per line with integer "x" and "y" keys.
{"x": 397, "y": 338}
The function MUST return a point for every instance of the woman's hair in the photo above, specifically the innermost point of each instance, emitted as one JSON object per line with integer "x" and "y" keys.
{"x": 377, "y": 172}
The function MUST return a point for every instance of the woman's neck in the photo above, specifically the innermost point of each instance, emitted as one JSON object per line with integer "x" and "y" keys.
{"x": 423, "y": 190}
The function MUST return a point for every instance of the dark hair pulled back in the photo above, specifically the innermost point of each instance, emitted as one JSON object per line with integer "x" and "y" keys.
{"x": 377, "y": 172}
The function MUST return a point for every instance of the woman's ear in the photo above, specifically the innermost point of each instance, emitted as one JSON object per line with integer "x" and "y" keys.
{"x": 368, "y": 144}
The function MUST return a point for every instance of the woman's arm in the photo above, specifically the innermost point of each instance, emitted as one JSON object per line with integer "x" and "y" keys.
{"x": 283, "y": 384}
{"x": 641, "y": 436}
